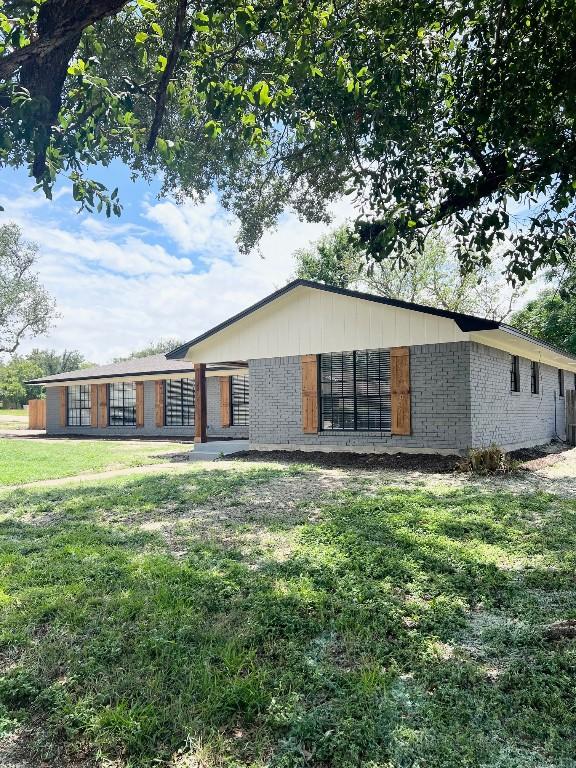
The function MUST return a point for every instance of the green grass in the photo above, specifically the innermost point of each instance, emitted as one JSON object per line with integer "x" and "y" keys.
{"x": 12, "y": 419}
{"x": 13, "y": 412}
{"x": 25, "y": 460}
{"x": 152, "y": 616}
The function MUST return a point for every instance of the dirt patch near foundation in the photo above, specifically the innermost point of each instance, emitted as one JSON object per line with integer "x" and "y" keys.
{"x": 427, "y": 463}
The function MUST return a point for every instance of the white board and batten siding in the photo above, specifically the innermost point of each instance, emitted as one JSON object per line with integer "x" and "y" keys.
{"x": 308, "y": 321}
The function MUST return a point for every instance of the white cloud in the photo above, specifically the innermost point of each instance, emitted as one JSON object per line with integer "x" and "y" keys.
{"x": 203, "y": 228}
{"x": 117, "y": 288}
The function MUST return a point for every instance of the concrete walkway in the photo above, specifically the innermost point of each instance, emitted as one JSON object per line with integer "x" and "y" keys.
{"x": 215, "y": 449}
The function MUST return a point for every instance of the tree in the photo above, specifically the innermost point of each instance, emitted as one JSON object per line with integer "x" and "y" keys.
{"x": 428, "y": 113}
{"x": 52, "y": 362}
{"x": 550, "y": 318}
{"x": 13, "y": 391}
{"x": 552, "y": 315}
{"x": 153, "y": 348}
{"x": 433, "y": 277}
{"x": 334, "y": 259}
{"x": 26, "y": 308}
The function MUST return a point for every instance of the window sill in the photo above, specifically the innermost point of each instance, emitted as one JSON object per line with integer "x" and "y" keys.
{"x": 375, "y": 433}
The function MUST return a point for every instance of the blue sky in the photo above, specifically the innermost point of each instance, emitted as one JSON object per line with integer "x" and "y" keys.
{"x": 160, "y": 270}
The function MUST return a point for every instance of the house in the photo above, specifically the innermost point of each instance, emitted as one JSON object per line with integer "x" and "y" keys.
{"x": 146, "y": 397}
{"x": 313, "y": 367}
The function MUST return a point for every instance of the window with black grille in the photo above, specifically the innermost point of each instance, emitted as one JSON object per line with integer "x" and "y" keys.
{"x": 122, "y": 404}
{"x": 79, "y": 406}
{"x": 535, "y": 377}
{"x": 240, "y": 401}
{"x": 514, "y": 373}
{"x": 561, "y": 383}
{"x": 179, "y": 403}
{"x": 355, "y": 390}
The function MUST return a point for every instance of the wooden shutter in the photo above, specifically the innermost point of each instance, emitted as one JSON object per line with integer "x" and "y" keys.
{"x": 225, "y": 401}
{"x": 159, "y": 403}
{"x": 63, "y": 405}
{"x": 309, "y": 393}
{"x": 93, "y": 405}
{"x": 400, "y": 390}
{"x": 102, "y": 405}
{"x": 139, "y": 404}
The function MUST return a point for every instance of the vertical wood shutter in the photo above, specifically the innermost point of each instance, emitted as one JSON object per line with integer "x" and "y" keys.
{"x": 159, "y": 402}
{"x": 139, "y": 404}
{"x": 309, "y": 393}
{"x": 93, "y": 405}
{"x": 400, "y": 390}
{"x": 63, "y": 405}
{"x": 102, "y": 405}
{"x": 225, "y": 401}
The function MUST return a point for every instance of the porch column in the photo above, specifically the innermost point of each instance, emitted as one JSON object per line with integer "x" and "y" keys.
{"x": 200, "y": 403}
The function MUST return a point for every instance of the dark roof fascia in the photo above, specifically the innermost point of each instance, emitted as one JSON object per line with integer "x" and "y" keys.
{"x": 466, "y": 323}
{"x": 132, "y": 374}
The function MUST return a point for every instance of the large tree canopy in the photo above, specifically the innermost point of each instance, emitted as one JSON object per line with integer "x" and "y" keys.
{"x": 452, "y": 111}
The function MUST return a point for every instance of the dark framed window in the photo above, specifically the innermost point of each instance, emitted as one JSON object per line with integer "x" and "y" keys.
{"x": 179, "y": 399}
{"x": 122, "y": 404}
{"x": 79, "y": 405}
{"x": 560, "y": 382}
{"x": 355, "y": 390}
{"x": 535, "y": 377}
{"x": 514, "y": 373}
{"x": 240, "y": 401}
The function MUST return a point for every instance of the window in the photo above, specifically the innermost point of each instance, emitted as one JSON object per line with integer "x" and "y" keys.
{"x": 122, "y": 404}
{"x": 79, "y": 406}
{"x": 560, "y": 382}
{"x": 535, "y": 377}
{"x": 179, "y": 403}
{"x": 240, "y": 401}
{"x": 514, "y": 373}
{"x": 355, "y": 390}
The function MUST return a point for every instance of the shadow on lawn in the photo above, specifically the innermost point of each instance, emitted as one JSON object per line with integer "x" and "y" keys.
{"x": 355, "y": 650}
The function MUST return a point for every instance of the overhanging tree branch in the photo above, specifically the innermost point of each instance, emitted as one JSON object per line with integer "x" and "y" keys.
{"x": 162, "y": 91}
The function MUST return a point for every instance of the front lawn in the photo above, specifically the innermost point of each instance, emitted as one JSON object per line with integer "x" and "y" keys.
{"x": 269, "y": 617}
{"x": 11, "y": 418}
{"x": 26, "y": 460}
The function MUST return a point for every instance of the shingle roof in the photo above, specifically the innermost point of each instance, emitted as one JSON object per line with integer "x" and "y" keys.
{"x": 155, "y": 364}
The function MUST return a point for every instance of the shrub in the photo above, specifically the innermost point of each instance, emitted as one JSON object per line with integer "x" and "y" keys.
{"x": 486, "y": 461}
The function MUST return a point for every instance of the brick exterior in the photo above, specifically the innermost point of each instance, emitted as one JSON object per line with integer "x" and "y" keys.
{"x": 460, "y": 399}
{"x": 514, "y": 419}
{"x": 439, "y": 381}
{"x": 149, "y": 429}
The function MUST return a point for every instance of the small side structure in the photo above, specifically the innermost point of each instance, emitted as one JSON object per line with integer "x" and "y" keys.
{"x": 333, "y": 369}
{"x": 147, "y": 397}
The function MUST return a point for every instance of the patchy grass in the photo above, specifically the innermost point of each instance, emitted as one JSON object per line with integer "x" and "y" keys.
{"x": 11, "y": 418}
{"x": 402, "y": 628}
{"x": 25, "y": 460}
